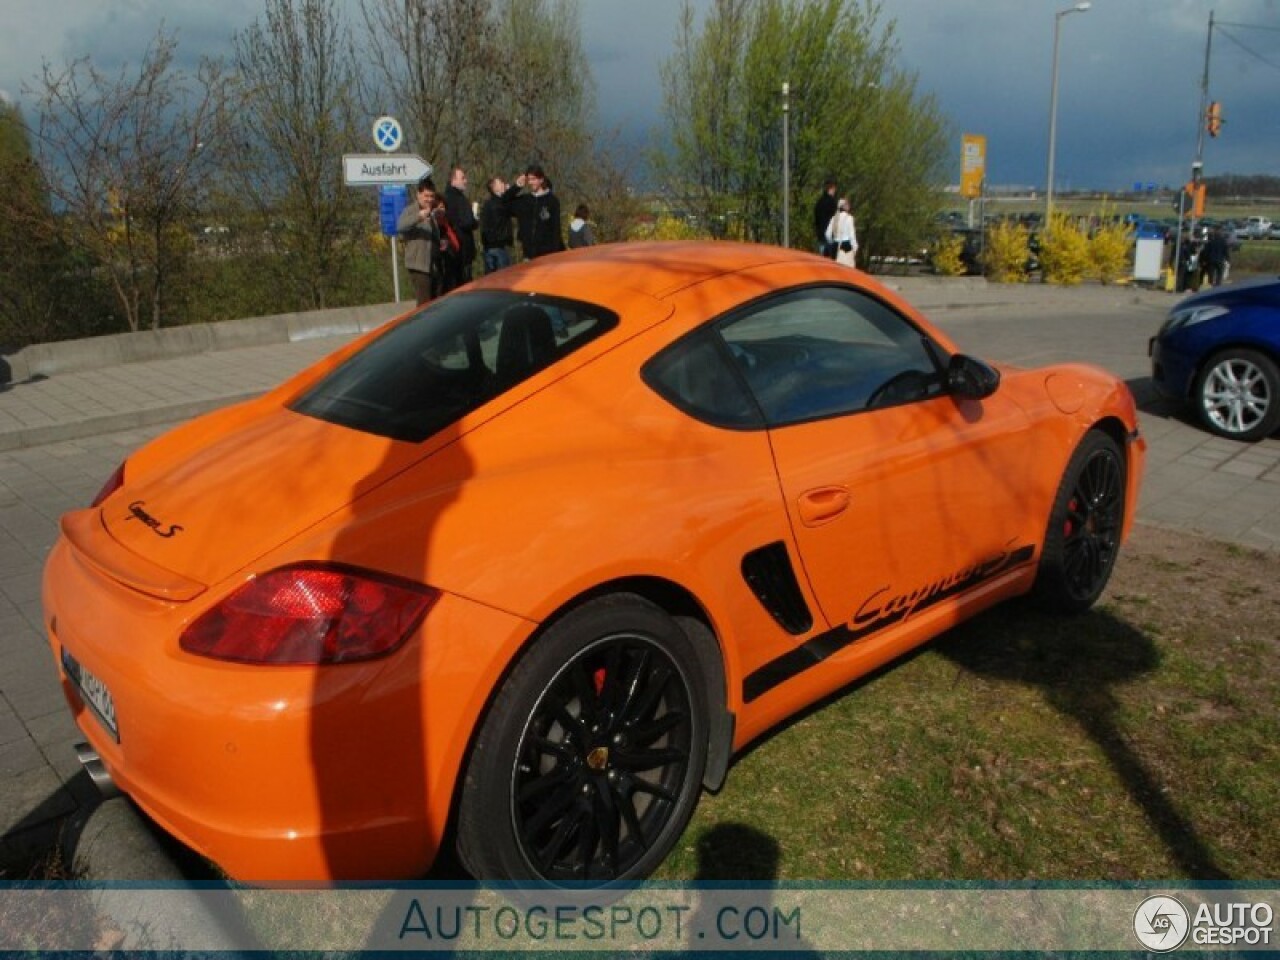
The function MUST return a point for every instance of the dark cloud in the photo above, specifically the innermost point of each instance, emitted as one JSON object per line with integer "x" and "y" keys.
{"x": 1129, "y": 90}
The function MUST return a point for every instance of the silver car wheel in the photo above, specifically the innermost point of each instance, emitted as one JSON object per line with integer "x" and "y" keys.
{"x": 1236, "y": 395}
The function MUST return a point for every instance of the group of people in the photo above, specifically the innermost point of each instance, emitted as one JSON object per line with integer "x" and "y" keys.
{"x": 439, "y": 232}
{"x": 834, "y": 227}
{"x": 1206, "y": 259}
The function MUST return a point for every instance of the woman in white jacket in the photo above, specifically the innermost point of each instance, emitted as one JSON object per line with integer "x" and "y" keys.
{"x": 842, "y": 231}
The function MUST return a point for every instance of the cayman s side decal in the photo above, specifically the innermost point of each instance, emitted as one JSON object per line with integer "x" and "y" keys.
{"x": 881, "y": 609}
{"x": 137, "y": 513}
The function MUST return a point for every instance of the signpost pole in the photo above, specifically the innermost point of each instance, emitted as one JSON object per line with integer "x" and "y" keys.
{"x": 395, "y": 268}
{"x": 389, "y": 171}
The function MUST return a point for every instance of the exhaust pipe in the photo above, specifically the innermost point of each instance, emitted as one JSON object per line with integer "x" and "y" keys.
{"x": 97, "y": 771}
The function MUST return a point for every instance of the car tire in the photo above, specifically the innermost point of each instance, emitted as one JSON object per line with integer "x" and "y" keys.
{"x": 1237, "y": 395}
{"x": 589, "y": 761}
{"x": 1085, "y": 527}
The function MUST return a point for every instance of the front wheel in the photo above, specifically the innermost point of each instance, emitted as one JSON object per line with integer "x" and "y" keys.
{"x": 1085, "y": 526}
{"x": 1237, "y": 395}
{"x": 590, "y": 760}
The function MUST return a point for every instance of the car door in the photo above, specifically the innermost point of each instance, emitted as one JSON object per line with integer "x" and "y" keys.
{"x": 900, "y": 494}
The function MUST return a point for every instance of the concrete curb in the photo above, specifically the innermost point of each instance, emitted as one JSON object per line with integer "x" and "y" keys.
{"x": 112, "y": 422}
{"x": 150, "y": 900}
{"x": 92, "y": 353}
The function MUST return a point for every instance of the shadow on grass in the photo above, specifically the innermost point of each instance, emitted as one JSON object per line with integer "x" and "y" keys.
{"x": 1077, "y": 663}
{"x": 737, "y": 852}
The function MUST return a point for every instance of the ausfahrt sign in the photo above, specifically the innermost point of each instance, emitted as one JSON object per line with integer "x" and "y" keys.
{"x": 390, "y": 169}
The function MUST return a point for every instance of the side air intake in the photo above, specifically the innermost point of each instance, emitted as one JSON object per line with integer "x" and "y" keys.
{"x": 772, "y": 579}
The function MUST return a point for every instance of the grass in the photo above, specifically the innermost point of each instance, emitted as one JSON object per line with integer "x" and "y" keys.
{"x": 1136, "y": 742}
{"x": 1257, "y": 256}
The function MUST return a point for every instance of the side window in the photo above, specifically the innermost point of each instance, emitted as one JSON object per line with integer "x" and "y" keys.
{"x": 697, "y": 377}
{"x": 829, "y": 351}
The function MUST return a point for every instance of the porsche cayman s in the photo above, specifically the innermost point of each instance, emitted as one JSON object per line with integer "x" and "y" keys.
{"x": 525, "y": 567}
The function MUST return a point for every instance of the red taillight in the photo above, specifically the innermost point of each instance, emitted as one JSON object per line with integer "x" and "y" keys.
{"x": 114, "y": 483}
{"x": 310, "y": 614}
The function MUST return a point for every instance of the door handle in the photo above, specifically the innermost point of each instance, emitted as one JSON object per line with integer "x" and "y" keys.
{"x": 820, "y": 505}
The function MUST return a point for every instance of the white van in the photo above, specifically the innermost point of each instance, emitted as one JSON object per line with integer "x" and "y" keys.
{"x": 1257, "y": 227}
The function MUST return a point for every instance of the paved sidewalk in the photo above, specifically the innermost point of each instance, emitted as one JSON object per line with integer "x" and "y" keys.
{"x": 61, "y": 436}
{"x": 93, "y": 402}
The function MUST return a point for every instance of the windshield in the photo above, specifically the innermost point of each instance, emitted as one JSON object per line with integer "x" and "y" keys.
{"x": 449, "y": 359}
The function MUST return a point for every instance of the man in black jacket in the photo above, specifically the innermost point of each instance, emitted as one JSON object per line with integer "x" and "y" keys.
{"x": 495, "y": 227}
{"x": 823, "y": 211}
{"x": 463, "y": 219}
{"x": 537, "y": 211}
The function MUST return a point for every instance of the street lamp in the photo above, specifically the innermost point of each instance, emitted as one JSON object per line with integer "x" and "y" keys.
{"x": 1080, "y": 7}
{"x": 786, "y": 164}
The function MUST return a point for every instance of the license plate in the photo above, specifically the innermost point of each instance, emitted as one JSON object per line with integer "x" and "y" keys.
{"x": 93, "y": 692}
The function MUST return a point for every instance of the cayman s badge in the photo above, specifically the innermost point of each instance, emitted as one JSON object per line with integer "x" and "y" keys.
{"x": 159, "y": 529}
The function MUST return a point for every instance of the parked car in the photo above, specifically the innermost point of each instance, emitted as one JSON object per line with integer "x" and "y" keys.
{"x": 1220, "y": 350}
{"x": 543, "y": 585}
{"x": 1257, "y": 227}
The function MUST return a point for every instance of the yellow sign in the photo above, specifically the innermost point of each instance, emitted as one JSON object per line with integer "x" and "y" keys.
{"x": 973, "y": 164}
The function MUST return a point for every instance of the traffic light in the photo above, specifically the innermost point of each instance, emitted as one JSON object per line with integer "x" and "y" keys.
{"x": 1213, "y": 119}
{"x": 1195, "y": 196}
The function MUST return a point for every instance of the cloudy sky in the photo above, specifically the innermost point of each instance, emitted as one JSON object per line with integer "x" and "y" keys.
{"x": 1129, "y": 88}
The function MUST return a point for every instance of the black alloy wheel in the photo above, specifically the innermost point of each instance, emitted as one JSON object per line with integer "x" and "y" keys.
{"x": 590, "y": 759}
{"x": 1085, "y": 526}
{"x": 601, "y": 762}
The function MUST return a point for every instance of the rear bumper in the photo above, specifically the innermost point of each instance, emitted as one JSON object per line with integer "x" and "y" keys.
{"x": 279, "y": 774}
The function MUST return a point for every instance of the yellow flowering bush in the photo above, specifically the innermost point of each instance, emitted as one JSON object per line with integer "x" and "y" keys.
{"x": 667, "y": 228}
{"x": 1064, "y": 251}
{"x": 1111, "y": 250}
{"x": 946, "y": 258}
{"x": 1008, "y": 248}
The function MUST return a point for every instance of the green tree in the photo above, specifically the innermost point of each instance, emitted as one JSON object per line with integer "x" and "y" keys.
{"x": 26, "y": 227}
{"x": 852, "y": 115}
{"x": 46, "y": 292}
{"x": 294, "y": 112}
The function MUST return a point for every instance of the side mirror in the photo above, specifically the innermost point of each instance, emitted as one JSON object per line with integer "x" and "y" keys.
{"x": 970, "y": 377}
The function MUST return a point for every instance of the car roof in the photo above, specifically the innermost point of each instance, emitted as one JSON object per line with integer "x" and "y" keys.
{"x": 655, "y": 269}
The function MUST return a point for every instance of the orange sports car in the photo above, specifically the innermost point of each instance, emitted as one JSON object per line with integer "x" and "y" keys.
{"x": 527, "y": 566}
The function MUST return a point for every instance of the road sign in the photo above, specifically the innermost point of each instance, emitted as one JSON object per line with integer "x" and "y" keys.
{"x": 377, "y": 169}
{"x": 973, "y": 164}
{"x": 387, "y": 135}
{"x": 391, "y": 201}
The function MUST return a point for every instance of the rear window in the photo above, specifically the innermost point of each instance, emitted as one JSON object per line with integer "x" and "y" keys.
{"x": 449, "y": 359}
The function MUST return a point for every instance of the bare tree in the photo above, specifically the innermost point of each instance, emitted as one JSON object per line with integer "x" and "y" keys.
{"x": 490, "y": 83}
{"x": 294, "y": 112}
{"x": 550, "y": 91}
{"x": 124, "y": 157}
{"x": 437, "y": 67}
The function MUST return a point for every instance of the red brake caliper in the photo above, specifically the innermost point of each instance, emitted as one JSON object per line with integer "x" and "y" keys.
{"x": 598, "y": 679}
{"x": 1068, "y": 527}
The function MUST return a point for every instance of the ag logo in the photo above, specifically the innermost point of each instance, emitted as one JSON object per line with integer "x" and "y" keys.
{"x": 1161, "y": 924}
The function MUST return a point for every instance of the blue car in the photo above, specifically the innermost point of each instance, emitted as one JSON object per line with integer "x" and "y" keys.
{"x": 1220, "y": 349}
